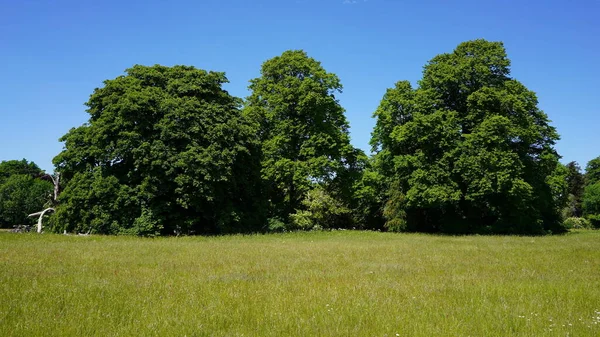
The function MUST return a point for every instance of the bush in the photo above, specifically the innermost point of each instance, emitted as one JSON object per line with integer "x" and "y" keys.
{"x": 322, "y": 211}
{"x": 591, "y": 199}
{"x": 277, "y": 225}
{"x": 302, "y": 220}
{"x": 577, "y": 223}
{"x": 594, "y": 220}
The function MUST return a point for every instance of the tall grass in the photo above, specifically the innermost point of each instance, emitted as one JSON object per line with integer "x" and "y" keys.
{"x": 300, "y": 284}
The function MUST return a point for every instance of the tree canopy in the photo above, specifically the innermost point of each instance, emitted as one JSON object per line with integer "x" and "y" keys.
{"x": 468, "y": 150}
{"x": 591, "y": 195}
{"x": 592, "y": 171}
{"x": 22, "y": 192}
{"x": 166, "y": 150}
{"x": 302, "y": 129}
{"x": 576, "y": 184}
{"x": 14, "y": 167}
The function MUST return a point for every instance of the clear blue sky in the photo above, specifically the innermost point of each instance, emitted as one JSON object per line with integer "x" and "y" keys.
{"x": 54, "y": 53}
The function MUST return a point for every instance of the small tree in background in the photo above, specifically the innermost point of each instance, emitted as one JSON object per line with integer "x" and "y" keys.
{"x": 591, "y": 204}
{"x": 592, "y": 172}
{"x": 21, "y": 195}
{"x": 576, "y": 184}
{"x": 22, "y": 191}
{"x": 591, "y": 196}
{"x": 10, "y": 168}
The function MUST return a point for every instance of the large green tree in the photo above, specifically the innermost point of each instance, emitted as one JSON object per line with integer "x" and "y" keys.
{"x": 303, "y": 131}
{"x": 166, "y": 150}
{"x": 468, "y": 150}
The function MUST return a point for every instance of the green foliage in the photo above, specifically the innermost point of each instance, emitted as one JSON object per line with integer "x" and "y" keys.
{"x": 321, "y": 211}
{"x": 591, "y": 199}
{"x": 302, "y": 129}
{"x": 394, "y": 209}
{"x": 468, "y": 150}
{"x": 94, "y": 203}
{"x": 166, "y": 150}
{"x": 302, "y": 220}
{"x": 576, "y": 184}
{"x": 577, "y": 223}
{"x": 592, "y": 172}
{"x": 570, "y": 210}
{"x": 13, "y": 167}
{"x": 277, "y": 225}
{"x": 591, "y": 194}
{"x": 594, "y": 219}
{"x": 367, "y": 199}
{"x": 20, "y": 195}
{"x": 558, "y": 182}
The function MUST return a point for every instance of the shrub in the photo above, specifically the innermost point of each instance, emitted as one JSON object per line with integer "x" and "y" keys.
{"x": 321, "y": 211}
{"x": 591, "y": 199}
{"x": 276, "y": 225}
{"x": 594, "y": 220}
{"x": 577, "y": 223}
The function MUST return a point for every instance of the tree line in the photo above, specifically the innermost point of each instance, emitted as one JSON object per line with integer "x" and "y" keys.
{"x": 167, "y": 150}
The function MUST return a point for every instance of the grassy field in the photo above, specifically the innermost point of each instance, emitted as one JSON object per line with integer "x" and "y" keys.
{"x": 300, "y": 284}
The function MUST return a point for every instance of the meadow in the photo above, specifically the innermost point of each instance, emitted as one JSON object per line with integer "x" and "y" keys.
{"x": 341, "y": 283}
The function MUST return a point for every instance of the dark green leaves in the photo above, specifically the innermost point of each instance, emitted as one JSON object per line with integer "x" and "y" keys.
{"x": 22, "y": 191}
{"x": 20, "y": 195}
{"x": 302, "y": 129}
{"x": 166, "y": 150}
{"x": 9, "y": 168}
{"x": 468, "y": 150}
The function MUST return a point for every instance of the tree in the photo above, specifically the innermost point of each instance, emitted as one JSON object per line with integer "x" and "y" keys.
{"x": 591, "y": 196}
{"x": 20, "y": 195}
{"x": 367, "y": 198}
{"x": 302, "y": 129}
{"x": 558, "y": 182}
{"x": 22, "y": 190}
{"x": 468, "y": 150}
{"x": 591, "y": 203}
{"x": 592, "y": 172}
{"x": 576, "y": 184}
{"x": 166, "y": 150}
{"x": 14, "y": 167}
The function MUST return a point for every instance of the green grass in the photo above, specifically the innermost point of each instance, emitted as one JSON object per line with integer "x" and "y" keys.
{"x": 300, "y": 284}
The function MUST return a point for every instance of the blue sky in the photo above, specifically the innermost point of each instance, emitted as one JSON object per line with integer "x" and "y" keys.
{"x": 54, "y": 53}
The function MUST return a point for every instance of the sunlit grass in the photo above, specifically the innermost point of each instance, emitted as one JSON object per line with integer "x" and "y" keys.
{"x": 300, "y": 284}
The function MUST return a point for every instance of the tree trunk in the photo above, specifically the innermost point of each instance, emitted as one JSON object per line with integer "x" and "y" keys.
{"x": 41, "y": 214}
